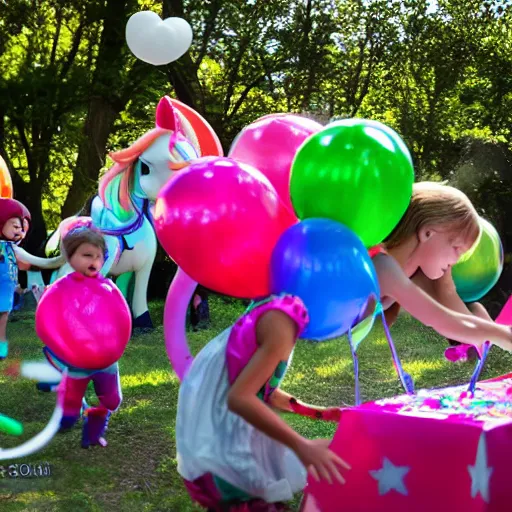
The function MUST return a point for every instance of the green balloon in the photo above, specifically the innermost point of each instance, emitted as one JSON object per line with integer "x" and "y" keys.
{"x": 10, "y": 426}
{"x": 357, "y": 172}
{"x": 479, "y": 269}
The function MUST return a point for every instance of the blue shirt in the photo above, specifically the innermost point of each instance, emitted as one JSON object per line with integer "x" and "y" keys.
{"x": 8, "y": 263}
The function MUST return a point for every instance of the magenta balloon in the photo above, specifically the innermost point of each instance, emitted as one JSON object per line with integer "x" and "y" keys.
{"x": 84, "y": 321}
{"x": 219, "y": 220}
{"x": 270, "y": 144}
{"x": 178, "y": 299}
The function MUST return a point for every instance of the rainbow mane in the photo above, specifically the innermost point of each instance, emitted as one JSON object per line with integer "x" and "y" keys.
{"x": 117, "y": 186}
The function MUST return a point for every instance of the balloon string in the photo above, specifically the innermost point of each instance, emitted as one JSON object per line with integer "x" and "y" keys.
{"x": 355, "y": 360}
{"x": 504, "y": 318}
{"x": 479, "y": 367}
{"x": 405, "y": 378}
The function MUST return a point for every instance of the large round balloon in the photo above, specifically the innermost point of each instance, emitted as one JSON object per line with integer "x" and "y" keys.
{"x": 84, "y": 321}
{"x": 270, "y": 144}
{"x": 5, "y": 180}
{"x": 357, "y": 172}
{"x": 475, "y": 274}
{"x": 220, "y": 220}
{"x": 328, "y": 267}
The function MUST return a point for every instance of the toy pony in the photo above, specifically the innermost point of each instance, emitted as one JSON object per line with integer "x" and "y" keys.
{"x": 122, "y": 210}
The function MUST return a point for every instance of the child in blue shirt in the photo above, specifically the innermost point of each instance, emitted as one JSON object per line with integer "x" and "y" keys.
{"x": 14, "y": 222}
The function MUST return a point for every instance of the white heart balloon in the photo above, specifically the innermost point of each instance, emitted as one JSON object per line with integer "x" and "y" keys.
{"x": 157, "y": 41}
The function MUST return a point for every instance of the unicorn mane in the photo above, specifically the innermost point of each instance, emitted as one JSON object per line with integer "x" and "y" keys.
{"x": 124, "y": 164}
{"x": 115, "y": 187}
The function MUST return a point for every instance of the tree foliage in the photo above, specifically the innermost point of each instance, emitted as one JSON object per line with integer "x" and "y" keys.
{"x": 439, "y": 72}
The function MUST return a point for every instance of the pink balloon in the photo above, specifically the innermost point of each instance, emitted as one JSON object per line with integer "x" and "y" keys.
{"x": 270, "y": 145}
{"x": 220, "y": 220}
{"x": 84, "y": 321}
{"x": 179, "y": 296}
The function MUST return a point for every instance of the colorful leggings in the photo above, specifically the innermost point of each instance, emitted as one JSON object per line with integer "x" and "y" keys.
{"x": 106, "y": 383}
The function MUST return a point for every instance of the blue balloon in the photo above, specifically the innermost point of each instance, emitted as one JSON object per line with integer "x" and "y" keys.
{"x": 327, "y": 265}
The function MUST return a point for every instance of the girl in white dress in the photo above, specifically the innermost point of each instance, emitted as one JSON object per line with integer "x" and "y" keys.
{"x": 234, "y": 451}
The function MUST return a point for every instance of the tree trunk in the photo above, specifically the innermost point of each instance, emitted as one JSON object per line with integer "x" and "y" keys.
{"x": 91, "y": 154}
{"x": 306, "y": 52}
{"x": 105, "y": 104}
{"x": 31, "y": 196}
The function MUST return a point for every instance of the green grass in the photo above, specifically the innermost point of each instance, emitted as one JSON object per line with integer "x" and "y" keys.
{"x": 137, "y": 471}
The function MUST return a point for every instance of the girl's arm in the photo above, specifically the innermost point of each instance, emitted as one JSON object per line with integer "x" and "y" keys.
{"x": 276, "y": 334}
{"x": 283, "y": 401}
{"x": 48, "y": 263}
{"x": 275, "y": 346}
{"x": 22, "y": 265}
{"x": 445, "y": 292}
{"x": 465, "y": 328}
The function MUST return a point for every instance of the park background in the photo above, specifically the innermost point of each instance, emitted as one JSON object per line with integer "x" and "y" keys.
{"x": 439, "y": 73}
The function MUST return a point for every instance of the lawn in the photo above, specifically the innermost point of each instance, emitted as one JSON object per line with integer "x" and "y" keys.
{"x": 137, "y": 471}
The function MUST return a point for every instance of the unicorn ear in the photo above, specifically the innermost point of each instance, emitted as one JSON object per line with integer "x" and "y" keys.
{"x": 189, "y": 132}
{"x": 166, "y": 117}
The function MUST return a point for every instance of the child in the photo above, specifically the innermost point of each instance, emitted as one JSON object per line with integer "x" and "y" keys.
{"x": 85, "y": 250}
{"x": 414, "y": 266}
{"x": 14, "y": 223}
{"x": 232, "y": 447}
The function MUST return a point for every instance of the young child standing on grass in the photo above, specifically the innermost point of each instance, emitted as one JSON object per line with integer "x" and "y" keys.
{"x": 14, "y": 223}
{"x": 85, "y": 251}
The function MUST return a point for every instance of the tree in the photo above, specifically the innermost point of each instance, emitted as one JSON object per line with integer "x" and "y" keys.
{"x": 70, "y": 91}
{"x": 116, "y": 79}
{"x": 41, "y": 86}
{"x": 432, "y": 65}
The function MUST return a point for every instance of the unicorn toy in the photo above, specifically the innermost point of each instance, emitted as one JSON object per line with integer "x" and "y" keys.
{"x": 122, "y": 210}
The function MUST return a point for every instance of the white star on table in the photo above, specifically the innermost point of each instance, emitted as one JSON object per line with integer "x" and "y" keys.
{"x": 390, "y": 477}
{"x": 480, "y": 472}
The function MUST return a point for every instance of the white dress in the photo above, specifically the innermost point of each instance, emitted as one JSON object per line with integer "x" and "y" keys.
{"x": 212, "y": 439}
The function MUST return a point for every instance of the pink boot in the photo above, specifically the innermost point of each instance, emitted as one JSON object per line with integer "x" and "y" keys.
{"x": 461, "y": 353}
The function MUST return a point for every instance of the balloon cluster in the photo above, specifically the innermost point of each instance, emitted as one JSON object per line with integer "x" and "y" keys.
{"x": 293, "y": 208}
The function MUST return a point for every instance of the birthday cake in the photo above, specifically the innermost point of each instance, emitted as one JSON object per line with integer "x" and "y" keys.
{"x": 491, "y": 403}
{"x": 443, "y": 449}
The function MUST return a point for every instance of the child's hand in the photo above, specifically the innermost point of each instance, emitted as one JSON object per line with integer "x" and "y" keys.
{"x": 38, "y": 292}
{"x": 320, "y": 461}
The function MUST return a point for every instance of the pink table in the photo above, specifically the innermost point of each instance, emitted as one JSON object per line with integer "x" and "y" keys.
{"x": 434, "y": 451}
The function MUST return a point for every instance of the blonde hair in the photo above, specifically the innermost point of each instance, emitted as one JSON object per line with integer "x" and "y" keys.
{"x": 437, "y": 204}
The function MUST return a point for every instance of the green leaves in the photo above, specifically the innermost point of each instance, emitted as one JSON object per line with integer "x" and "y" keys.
{"x": 436, "y": 74}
